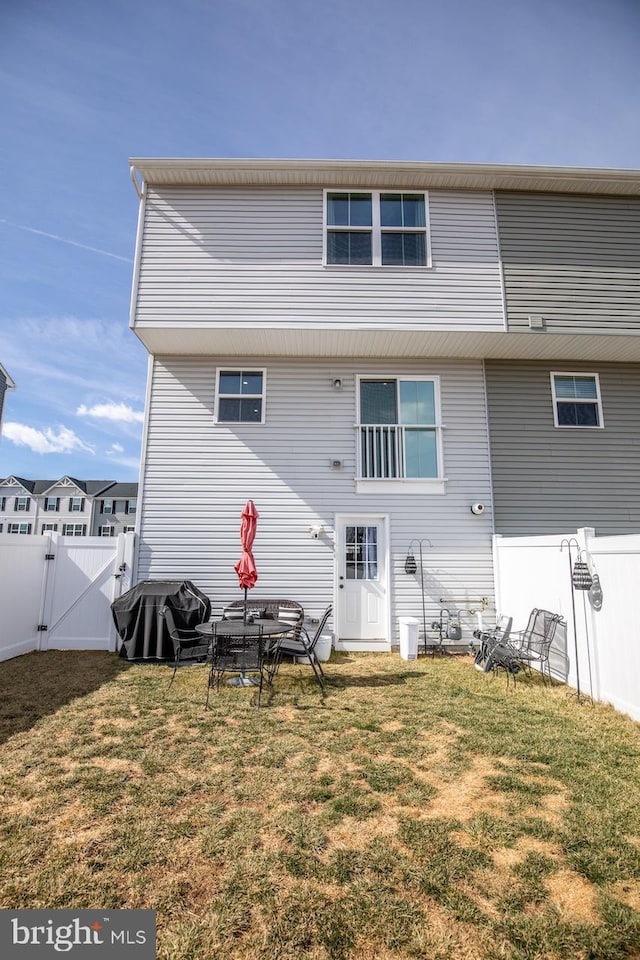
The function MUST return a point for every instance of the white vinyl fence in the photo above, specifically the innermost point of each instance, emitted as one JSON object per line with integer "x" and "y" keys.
{"x": 535, "y": 572}
{"x": 56, "y": 592}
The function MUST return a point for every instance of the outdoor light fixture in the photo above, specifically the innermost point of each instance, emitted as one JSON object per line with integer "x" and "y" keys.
{"x": 337, "y": 383}
{"x": 316, "y": 531}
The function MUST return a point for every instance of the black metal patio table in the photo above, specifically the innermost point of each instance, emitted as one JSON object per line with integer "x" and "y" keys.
{"x": 252, "y": 629}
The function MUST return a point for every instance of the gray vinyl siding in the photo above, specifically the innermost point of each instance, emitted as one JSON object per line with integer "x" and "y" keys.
{"x": 548, "y": 479}
{"x": 255, "y": 255}
{"x": 574, "y": 260}
{"x": 198, "y": 475}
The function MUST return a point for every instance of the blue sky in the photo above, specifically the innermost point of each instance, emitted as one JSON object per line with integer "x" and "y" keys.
{"x": 86, "y": 84}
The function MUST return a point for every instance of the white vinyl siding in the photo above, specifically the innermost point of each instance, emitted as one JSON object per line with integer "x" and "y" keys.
{"x": 287, "y": 468}
{"x": 248, "y": 256}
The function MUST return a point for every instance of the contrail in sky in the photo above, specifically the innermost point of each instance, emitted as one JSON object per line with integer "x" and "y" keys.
{"x": 72, "y": 243}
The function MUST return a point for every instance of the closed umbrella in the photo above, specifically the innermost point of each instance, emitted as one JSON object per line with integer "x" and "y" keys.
{"x": 246, "y": 566}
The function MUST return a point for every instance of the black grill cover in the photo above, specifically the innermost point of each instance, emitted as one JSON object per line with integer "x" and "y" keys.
{"x": 142, "y": 630}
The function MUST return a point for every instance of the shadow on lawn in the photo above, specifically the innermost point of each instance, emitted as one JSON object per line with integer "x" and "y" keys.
{"x": 36, "y": 684}
{"x": 372, "y": 680}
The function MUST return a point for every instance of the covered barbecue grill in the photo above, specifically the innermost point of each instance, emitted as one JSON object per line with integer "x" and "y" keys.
{"x": 142, "y": 630}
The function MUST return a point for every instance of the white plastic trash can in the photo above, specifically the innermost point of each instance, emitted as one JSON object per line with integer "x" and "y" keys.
{"x": 409, "y": 637}
{"x": 323, "y": 646}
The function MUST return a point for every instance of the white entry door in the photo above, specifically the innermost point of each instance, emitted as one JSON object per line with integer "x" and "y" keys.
{"x": 362, "y": 583}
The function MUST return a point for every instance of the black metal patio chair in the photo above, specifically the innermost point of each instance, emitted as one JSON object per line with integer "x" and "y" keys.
{"x": 300, "y": 645}
{"x": 489, "y": 639}
{"x": 528, "y": 647}
{"x": 188, "y": 644}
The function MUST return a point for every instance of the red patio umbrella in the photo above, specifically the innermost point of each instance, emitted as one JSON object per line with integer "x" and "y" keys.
{"x": 246, "y": 566}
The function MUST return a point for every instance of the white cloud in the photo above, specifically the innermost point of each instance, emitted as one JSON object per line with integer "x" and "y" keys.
{"x": 115, "y": 448}
{"x": 44, "y": 441}
{"x": 121, "y": 412}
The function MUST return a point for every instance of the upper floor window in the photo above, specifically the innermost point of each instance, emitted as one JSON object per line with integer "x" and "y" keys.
{"x": 576, "y": 400}
{"x": 131, "y": 506}
{"x": 52, "y": 503}
{"x": 3, "y": 502}
{"x": 240, "y": 396}
{"x": 376, "y": 228}
{"x": 399, "y": 429}
{"x": 107, "y": 506}
{"x": 22, "y": 504}
{"x": 76, "y": 504}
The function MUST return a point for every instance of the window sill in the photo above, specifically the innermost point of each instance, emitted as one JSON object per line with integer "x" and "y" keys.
{"x": 418, "y": 267}
{"x": 435, "y": 487}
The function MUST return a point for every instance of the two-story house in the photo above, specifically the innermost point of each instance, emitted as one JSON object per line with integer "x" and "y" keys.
{"x": 70, "y": 507}
{"x": 368, "y": 350}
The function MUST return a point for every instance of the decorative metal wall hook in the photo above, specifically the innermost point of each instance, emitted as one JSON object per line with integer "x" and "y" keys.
{"x": 577, "y": 576}
{"x": 411, "y": 567}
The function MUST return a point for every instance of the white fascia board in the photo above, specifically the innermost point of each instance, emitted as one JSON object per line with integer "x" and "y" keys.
{"x": 382, "y": 173}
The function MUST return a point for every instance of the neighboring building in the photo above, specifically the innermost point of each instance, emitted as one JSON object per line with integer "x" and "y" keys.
{"x": 115, "y": 510}
{"x": 73, "y": 508}
{"x": 368, "y": 349}
{"x": 6, "y": 383}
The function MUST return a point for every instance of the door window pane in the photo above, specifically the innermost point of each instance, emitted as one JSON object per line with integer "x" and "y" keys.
{"x": 361, "y": 553}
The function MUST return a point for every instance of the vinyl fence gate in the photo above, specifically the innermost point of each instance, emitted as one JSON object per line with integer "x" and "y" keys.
{"x": 56, "y": 592}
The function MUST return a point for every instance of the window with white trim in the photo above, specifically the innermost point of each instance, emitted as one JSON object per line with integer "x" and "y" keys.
{"x": 576, "y": 400}
{"x": 22, "y": 504}
{"x": 240, "y": 396}
{"x": 52, "y": 503}
{"x": 18, "y": 528}
{"x": 49, "y": 527}
{"x": 74, "y": 529}
{"x": 131, "y": 507}
{"x": 399, "y": 428}
{"x": 76, "y": 504}
{"x": 376, "y": 228}
{"x": 107, "y": 506}
{"x": 129, "y": 529}
{"x": 107, "y": 530}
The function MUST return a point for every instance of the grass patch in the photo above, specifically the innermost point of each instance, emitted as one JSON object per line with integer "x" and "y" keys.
{"x": 417, "y": 811}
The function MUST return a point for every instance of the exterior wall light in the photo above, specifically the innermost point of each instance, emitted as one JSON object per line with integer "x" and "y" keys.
{"x": 337, "y": 383}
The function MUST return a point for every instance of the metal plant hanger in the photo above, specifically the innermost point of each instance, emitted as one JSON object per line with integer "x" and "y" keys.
{"x": 411, "y": 567}
{"x": 581, "y": 579}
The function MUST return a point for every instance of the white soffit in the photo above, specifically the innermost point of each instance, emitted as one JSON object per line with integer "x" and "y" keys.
{"x": 386, "y": 174}
{"x": 271, "y": 342}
